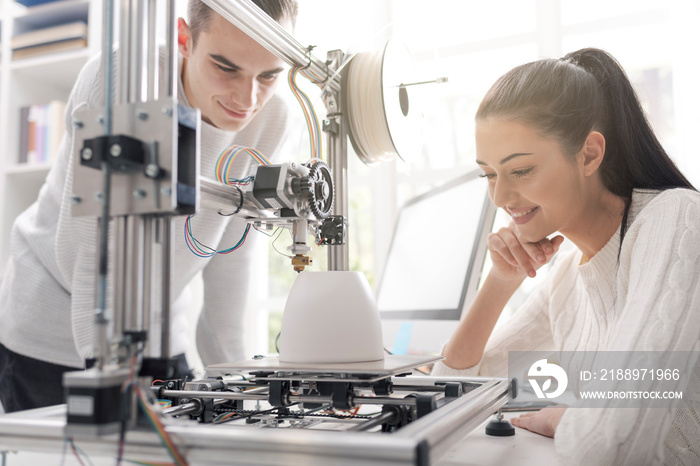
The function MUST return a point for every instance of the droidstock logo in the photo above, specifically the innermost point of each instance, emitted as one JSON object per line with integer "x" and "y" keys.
{"x": 542, "y": 369}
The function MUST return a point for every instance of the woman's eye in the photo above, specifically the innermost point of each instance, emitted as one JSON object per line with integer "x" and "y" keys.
{"x": 521, "y": 173}
{"x": 487, "y": 175}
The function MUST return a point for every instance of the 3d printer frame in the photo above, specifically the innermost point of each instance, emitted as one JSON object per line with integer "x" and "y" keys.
{"x": 146, "y": 147}
{"x": 419, "y": 419}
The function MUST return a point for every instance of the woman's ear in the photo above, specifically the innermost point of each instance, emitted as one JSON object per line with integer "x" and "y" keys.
{"x": 593, "y": 152}
{"x": 184, "y": 38}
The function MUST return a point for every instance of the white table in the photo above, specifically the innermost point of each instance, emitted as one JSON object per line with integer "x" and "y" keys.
{"x": 525, "y": 448}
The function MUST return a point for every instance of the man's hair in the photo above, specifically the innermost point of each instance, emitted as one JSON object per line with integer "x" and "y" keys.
{"x": 199, "y": 13}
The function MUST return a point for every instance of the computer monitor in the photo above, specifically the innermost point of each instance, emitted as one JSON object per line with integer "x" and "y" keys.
{"x": 434, "y": 263}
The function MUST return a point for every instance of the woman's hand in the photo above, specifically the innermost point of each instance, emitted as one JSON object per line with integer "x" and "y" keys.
{"x": 543, "y": 422}
{"x": 513, "y": 259}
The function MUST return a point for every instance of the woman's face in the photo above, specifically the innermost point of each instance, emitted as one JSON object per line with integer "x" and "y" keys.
{"x": 530, "y": 177}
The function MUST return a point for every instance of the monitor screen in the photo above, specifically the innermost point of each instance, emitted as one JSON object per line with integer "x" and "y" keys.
{"x": 438, "y": 249}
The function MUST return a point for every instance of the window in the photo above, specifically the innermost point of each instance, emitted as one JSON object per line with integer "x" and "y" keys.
{"x": 472, "y": 44}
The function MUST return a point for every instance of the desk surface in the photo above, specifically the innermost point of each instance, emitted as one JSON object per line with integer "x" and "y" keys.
{"x": 525, "y": 448}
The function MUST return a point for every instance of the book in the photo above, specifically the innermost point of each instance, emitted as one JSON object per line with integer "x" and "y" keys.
{"x": 54, "y": 47}
{"x": 59, "y": 33}
{"x": 42, "y": 127}
{"x": 29, "y": 3}
{"x": 40, "y": 134}
{"x": 56, "y": 128}
{"x": 23, "y": 134}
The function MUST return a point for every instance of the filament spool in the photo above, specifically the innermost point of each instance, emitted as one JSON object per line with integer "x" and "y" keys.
{"x": 384, "y": 117}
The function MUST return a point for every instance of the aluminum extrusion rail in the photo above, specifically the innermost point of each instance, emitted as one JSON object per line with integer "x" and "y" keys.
{"x": 421, "y": 442}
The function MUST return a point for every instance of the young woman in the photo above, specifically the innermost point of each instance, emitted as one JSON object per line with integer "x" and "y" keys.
{"x": 565, "y": 147}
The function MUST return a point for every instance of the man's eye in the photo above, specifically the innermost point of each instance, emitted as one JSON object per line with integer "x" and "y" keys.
{"x": 268, "y": 77}
{"x": 224, "y": 68}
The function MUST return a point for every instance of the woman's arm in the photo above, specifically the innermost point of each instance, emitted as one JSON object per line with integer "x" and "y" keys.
{"x": 466, "y": 346}
{"x": 513, "y": 261}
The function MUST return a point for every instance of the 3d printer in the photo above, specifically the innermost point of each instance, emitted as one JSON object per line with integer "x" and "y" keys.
{"x": 319, "y": 401}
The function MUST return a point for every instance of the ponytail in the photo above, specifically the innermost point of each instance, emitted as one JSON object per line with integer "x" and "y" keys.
{"x": 634, "y": 157}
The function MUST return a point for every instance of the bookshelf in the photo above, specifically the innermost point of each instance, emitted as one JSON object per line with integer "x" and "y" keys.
{"x": 40, "y": 78}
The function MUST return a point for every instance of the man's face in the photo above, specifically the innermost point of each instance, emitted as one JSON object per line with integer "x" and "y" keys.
{"x": 226, "y": 74}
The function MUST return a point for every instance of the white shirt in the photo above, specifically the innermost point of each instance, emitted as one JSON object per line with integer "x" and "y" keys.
{"x": 648, "y": 301}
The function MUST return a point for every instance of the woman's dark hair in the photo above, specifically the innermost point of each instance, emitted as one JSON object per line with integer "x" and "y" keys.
{"x": 586, "y": 91}
{"x": 198, "y": 13}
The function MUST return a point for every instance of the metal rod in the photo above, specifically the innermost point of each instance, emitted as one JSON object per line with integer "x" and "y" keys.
{"x": 357, "y": 400}
{"x": 120, "y": 256}
{"x": 136, "y": 19}
{"x": 375, "y": 421}
{"x": 225, "y": 198}
{"x": 134, "y": 273}
{"x": 310, "y": 399}
{"x": 108, "y": 62}
{"x": 258, "y": 388}
{"x": 151, "y": 49}
{"x": 419, "y": 388}
{"x": 181, "y": 409}
{"x": 188, "y": 408}
{"x": 101, "y": 321}
{"x": 124, "y": 52}
{"x": 147, "y": 273}
{"x": 165, "y": 299}
{"x": 250, "y": 19}
{"x": 383, "y": 400}
{"x": 222, "y": 395}
{"x": 337, "y": 141}
{"x": 101, "y": 348}
{"x": 171, "y": 65}
{"x": 434, "y": 81}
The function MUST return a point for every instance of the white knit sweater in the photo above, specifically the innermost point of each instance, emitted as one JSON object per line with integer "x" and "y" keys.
{"x": 47, "y": 294}
{"x": 649, "y": 301}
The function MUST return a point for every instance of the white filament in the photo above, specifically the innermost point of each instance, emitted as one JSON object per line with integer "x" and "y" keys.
{"x": 366, "y": 115}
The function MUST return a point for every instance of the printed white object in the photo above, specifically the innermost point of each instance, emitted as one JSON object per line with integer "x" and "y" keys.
{"x": 331, "y": 317}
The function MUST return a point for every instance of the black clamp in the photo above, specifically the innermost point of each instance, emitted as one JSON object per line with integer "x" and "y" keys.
{"x": 308, "y": 65}
{"x": 308, "y": 57}
{"x": 121, "y": 152}
{"x": 425, "y": 403}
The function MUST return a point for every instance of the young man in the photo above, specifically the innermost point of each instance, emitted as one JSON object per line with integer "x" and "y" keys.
{"x": 47, "y": 294}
